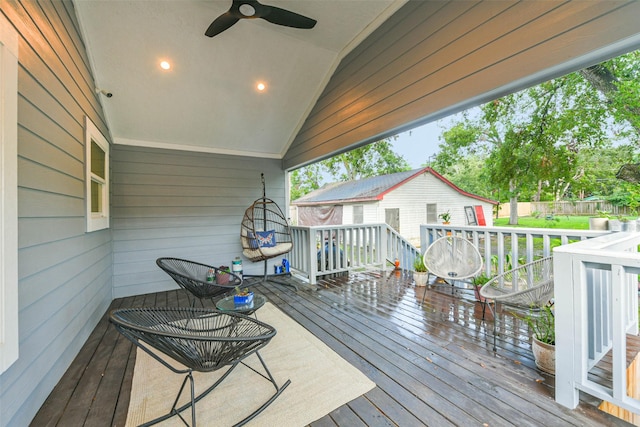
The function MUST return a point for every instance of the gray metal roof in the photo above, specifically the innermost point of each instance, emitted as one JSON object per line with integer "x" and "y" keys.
{"x": 363, "y": 189}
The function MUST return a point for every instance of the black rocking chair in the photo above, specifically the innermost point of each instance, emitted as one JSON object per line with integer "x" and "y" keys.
{"x": 202, "y": 340}
{"x": 194, "y": 278}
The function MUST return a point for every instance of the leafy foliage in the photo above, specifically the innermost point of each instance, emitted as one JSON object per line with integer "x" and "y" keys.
{"x": 305, "y": 180}
{"x": 363, "y": 162}
{"x": 543, "y": 325}
{"x": 480, "y": 280}
{"x": 547, "y": 142}
{"x": 418, "y": 265}
{"x": 369, "y": 160}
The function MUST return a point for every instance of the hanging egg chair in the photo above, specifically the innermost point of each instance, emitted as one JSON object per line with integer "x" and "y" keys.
{"x": 264, "y": 231}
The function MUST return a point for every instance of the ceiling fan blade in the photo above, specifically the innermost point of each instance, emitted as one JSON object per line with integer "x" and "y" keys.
{"x": 221, "y": 23}
{"x": 275, "y": 15}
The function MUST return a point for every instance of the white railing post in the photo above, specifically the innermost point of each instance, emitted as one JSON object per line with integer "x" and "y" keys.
{"x": 594, "y": 316}
{"x": 566, "y": 330}
{"x": 382, "y": 246}
{"x": 312, "y": 263}
{"x": 619, "y": 323}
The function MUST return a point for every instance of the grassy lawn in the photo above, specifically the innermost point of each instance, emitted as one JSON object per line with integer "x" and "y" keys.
{"x": 567, "y": 222}
{"x": 560, "y": 222}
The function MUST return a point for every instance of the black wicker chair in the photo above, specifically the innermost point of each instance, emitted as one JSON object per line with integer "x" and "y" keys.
{"x": 192, "y": 276}
{"x": 203, "y": 340}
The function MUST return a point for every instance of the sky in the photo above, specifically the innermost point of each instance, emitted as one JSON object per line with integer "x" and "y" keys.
{"x": 421, "y": 143}
{"x": 417, "y": 145}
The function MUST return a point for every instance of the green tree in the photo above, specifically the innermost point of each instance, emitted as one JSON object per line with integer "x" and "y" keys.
{"x": 373, "y": 159}
{"x": 305, "y": 180}
{"x": 369, "y": 160}
{"x": 463, "y": 158}
{"x": 531, "y": 139}
{"x": 618, "y": 80}
{"x": 600, "y": 166}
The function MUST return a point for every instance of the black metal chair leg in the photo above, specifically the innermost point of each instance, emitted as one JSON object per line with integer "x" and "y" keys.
{"x": 171, "y": 330}
{"x": 495, "y": 348}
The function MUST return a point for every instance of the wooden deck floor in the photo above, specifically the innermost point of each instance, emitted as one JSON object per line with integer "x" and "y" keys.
{"x": 432, "y": 362}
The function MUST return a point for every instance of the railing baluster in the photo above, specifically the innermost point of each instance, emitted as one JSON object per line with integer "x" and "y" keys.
{"x": 592, "y": 301}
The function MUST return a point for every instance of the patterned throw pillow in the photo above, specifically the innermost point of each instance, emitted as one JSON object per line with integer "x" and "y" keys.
{"x": 266, "y": 239}
{"x": 253, "y": 242}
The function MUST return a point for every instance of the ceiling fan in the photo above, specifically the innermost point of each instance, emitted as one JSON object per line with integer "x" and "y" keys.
{"x": 252, "y": 9}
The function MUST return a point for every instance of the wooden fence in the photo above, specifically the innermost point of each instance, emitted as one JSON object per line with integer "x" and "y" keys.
{"x": 589, "y": 208}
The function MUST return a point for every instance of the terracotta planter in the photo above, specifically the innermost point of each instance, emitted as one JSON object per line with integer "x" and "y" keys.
{"x": 420, "y": 277}
{"x": 545, "y": 356}
{"x": 476, "y": 290}
{"x": 222, "y": 278}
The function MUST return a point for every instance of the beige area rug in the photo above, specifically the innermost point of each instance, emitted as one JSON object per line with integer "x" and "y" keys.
{"x": 321, "y": 381}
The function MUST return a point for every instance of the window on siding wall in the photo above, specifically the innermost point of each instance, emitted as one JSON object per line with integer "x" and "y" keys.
{"x": 432, "y": 213}
{"x": 9, "y": 342}
{"x": 97, "y": 167}
{"x": 358, "y": 214}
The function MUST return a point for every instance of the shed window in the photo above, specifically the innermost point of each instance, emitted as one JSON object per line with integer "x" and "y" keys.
{"x": 432, "y": 213}
{"x": 358, "y": 214}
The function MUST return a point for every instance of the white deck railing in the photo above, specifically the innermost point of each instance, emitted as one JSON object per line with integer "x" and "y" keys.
{"x": 505, "y": 247}
{"x": 596, "y": 295}
{"x": 348, "y": 247}
{"x": 326, "y": 250}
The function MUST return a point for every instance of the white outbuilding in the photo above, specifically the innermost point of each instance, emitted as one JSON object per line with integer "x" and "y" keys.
{"x": 404, "y": 200}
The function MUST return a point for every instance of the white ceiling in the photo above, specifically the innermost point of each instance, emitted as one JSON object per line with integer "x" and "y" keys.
{"x": 207, "y": 101}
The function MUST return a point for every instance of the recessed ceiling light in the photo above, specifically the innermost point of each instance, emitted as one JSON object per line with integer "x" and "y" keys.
{"x": 261, "y": 87}
{"x": 165, "y": 65}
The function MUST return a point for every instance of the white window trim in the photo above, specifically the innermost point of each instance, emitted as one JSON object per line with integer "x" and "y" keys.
{"x": 9, "y": 340}
{"x": 92, "y": 133}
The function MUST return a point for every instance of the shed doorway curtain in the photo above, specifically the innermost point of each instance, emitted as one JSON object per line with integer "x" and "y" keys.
{"x": 320, "y": 215}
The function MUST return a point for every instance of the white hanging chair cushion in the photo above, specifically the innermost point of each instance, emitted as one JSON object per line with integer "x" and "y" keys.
{"x": 268, "y": 252}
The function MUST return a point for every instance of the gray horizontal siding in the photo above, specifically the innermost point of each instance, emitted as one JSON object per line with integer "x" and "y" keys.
{"x": 434, "y": 58}
{"x": 64, "y": 273}
{"x": 181, "y": 204}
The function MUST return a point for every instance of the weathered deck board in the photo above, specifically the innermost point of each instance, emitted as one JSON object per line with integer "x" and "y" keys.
{"x": 432, "y": 361}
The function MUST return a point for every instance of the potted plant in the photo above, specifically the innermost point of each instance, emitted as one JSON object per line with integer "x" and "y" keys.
{"x": 627, "y": 225}
{"x": 242, "y": 296}
{"x": 599, "y": 222}
{"x": 222, "y": 275}
{"x": 478, "y": 282}
{"x": 420, "y": 273}
{"x": 615, "y": 224}
{"x": 445, "y": 217}
{"x": 543, "y": 328}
